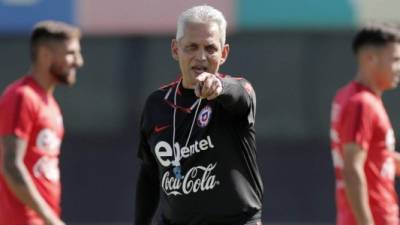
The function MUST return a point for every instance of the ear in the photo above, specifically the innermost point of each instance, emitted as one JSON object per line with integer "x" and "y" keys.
{"x": 370, "y": 56}
{"x": 174, "y": 49}
{"x": 44, "y": 54}
{"x": 224, "y": 54}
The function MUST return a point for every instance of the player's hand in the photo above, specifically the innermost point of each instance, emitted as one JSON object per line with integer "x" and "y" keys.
{"x": 54, "y": 221}
{"x": 57, "y": 222}
{"x": 208, "y": 86}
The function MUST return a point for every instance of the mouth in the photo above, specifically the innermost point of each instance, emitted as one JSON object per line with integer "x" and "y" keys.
{"x": 396, "y": 79}
{"x": 71, "y": 72}
{"x": 199, "y": 69}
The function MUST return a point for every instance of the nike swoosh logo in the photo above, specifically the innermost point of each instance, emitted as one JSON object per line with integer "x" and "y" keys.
{"x": 158, "y": 129}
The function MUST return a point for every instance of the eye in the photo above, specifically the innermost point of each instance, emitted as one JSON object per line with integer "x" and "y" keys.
{"x": 71, "y": 52}
{"x": 191, "y": 47}
{"x": 211, "y": 49}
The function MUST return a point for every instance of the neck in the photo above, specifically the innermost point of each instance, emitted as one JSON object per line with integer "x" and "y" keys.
{"x": 187, "y": 84}
{"x": 366, "y": 79}
{"x": 44, "y": 80}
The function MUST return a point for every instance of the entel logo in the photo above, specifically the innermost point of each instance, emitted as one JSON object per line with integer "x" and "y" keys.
{"x": 164, "y": 153}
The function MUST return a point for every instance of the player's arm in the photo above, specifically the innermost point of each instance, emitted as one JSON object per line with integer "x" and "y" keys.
{"x": 355, "y": 182}
{"x": 396, "y": 157}
{"x": 236, "y": 95}
{"x": 19, "y": 180}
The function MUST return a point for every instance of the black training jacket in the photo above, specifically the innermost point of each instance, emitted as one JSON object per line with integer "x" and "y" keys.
{"x": 217, "y": 180}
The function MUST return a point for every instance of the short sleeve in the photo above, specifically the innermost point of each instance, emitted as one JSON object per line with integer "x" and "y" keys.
{"x": 16, "y": 114}
{"x": 357, "y": 123}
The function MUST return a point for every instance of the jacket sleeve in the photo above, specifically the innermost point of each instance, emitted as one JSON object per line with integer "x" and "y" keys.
{"x": 238, "y": 97}
{"x": 147, "y": 188}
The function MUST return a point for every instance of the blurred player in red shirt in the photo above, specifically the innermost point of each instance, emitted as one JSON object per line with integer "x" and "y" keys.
{"x": 362, "y": 137}
{"x": 31, "y": 128}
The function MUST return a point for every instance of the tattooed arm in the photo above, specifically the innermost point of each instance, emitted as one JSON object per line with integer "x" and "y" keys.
{"x": 19, "y": 180}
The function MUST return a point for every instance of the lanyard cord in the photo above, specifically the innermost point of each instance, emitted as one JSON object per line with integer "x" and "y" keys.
{"x": 176, "y": 161}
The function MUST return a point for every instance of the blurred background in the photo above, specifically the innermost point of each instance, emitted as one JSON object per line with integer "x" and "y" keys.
{"x": 296, "y": 54}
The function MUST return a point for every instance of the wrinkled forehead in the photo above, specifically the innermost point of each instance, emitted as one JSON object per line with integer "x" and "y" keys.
{"x": 201, "y": 32}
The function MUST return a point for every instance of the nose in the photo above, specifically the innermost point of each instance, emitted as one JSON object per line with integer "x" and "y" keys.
{"x": 201, "y": 55}
{"x": 79, "y": 60}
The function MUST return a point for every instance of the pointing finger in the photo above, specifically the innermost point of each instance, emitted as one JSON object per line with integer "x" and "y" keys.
{"x": 202, "y": 77}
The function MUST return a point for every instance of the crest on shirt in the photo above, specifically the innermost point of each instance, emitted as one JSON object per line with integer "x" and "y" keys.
{"x": 47, "y": 167}
{"x": 204, "y": 116}
{"x": 47, "y": 140}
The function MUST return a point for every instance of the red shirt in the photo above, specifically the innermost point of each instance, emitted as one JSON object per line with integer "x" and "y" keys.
{"x": 359, "y": 116}
{"x": 28, "y": 112}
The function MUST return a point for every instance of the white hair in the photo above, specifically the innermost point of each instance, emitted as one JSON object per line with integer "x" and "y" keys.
{"x": 202, "y": 14}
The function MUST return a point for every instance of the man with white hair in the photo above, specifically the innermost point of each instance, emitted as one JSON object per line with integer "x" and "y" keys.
{"x": 197, "y": 145}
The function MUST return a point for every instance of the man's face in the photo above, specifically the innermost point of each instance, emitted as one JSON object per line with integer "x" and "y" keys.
{"x": 199, "y": 50}
{"x": 66, "y": 60}
{"x": 388, "y": 66}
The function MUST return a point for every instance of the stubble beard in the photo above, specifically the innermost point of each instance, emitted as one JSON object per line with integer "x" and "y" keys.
{"x": 61, "y": 76}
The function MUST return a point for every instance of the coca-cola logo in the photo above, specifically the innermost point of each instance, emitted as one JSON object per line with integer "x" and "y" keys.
{"x": 199, "y": 178}
{"x": 47, "y": 167}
